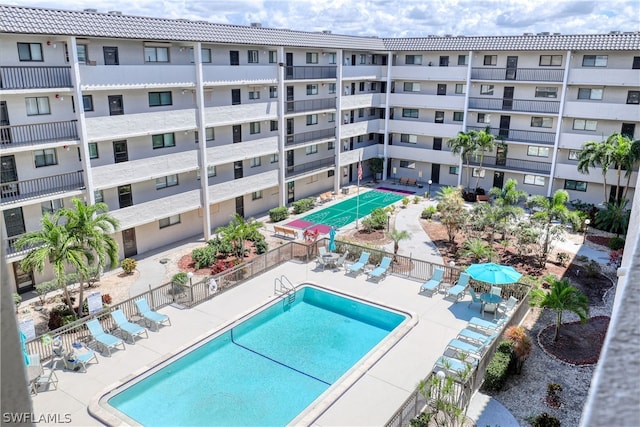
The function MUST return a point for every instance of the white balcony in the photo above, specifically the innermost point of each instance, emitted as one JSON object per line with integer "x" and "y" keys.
{"x": 423, "y": 155}
{"x": 423, "y": 128}
{"x": 220, "y": 75}
{"x": 242, "y": 151}
{"x": 602, "y": 76}
{"x": 362, "y": 128}
{"x": 602, "y": 111}
{"x": 574, "y": 141}
{"x": 569, "y": 170}
{"x": 419, "y": 100}
{"x": 136, "y": 76}
{"x": 240, "y": 187}
{"x": 365, "y": 100}
{"x": 365, "y": 153}
{"x": 422, "y": 72}
{"x": 144, "y": 213}
{"x": 364, "y": 72}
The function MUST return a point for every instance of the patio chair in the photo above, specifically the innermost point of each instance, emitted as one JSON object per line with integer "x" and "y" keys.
{"x": 128, "y": 329}
{"x": 320, "y": 262}
{"x": 433, "y": 285}
{"x": 506, "y": 308}
{"x": 342, "y": 259}
{"x": 45, "y": 376}
{"x": 107, "y": 341}
{"x": 456, "y": 366}
{"x": 456, "y": 292}
{"x": 467, "y": 348}
{"x": 322, "y": 251}
{"x": 359, "y": 265}
{"x": 75, "y": 360}
{"x": 482, "y": 324}
{"x": 476, "y": 337}
{"x": 474, "y": 297}
{"x": 381, "y": 270}
{"x": 150, "y": 316}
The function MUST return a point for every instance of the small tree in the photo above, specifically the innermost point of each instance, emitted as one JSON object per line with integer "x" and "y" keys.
{"x": 562, "y": 296}
{"x": 376, "y": 166}
{"x": 477, "y": 249}
{"x": 397, "y": 236}
{"x": 615, "y": 218}
{"x": 453, "y": 214}
{"x": 521, "y": 345}
{"x": 551, "y": 210}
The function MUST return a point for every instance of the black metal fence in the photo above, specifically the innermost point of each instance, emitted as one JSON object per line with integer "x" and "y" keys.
{"x": 36, "y": 187}
{"x": 517, "y": 74}
{"x": 310, "y": 72}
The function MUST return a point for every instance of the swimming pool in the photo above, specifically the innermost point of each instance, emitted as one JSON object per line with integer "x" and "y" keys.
{"x": 263, "y": 371}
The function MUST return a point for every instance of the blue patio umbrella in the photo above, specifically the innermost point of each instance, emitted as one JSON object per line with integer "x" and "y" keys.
{"x": 332, "y": 239}
{"x": 493, "y": 273}
{"x": 23, "y": 346}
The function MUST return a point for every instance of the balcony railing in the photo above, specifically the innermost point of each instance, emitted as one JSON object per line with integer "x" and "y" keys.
{"x": 517, "y": 74}
{"x": 547, "y": 138}
{"x": 38, "y": 133}
{"x": 309, "y": 72}
{"x": 37, "y": 187}
{"x": 310, "y": 105}
{"x": 303, "y": 168}
{"x": 508, "y": 104}
{"x": 513, "y": 164}
{"x": 34, "y": 77}
{"x": 301, "y": 138}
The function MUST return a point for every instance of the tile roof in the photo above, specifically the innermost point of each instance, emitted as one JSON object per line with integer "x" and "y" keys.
{"x": 30, "y": 20}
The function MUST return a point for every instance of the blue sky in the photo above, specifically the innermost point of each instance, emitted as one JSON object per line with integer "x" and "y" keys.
{"x": 387, "y": 18}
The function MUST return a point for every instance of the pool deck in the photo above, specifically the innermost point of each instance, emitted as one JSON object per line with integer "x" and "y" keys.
{"x": 371, "y": 400}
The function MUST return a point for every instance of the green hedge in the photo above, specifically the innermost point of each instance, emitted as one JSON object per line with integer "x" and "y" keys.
{"x": 278, "y": 214}
{"x": 303, "y": 205}
{"x": 498, "y": 369}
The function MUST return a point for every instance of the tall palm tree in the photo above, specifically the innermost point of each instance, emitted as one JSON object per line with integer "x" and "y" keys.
{"x": 464, "y": 144}
{"x": 562, "y": 297}
{"x": 595, "y": 154}
{"x": 397, "y": 235}
{"x": 506, "y": 200}
{"x": 54, "y": 244}
{"x": 92, "y": 227}
{"x": 483, "y": 141}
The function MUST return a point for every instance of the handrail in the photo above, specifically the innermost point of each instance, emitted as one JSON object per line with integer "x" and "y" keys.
{"x": 284, "y": 288}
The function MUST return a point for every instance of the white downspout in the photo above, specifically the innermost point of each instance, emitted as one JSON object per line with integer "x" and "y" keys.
{"x": 202, "y": 142}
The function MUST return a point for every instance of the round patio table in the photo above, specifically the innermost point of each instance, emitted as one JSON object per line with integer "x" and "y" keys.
{"x": 489, "y": 298}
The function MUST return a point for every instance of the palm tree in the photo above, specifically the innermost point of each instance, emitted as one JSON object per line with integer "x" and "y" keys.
{"x": 562, "y": 297}
{"x": 615, "y": 218}
{"x": 397, "y": 235}
{"x": 464, "y": 145}
{"x": 595, "y": 154}
{"x": 506, "y": 200}
{"x": 452, "y": 210}
{"x": 56, "y": 245}
{"x": 92, "y": 227}
{"x": 478, "y": 250}
{"x": 483, "y": 141}
{"x": 237, "y": 231}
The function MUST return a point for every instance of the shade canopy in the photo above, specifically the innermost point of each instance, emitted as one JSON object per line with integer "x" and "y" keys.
{"x": 493, "y": 273}
{"x": 332, "y": 239}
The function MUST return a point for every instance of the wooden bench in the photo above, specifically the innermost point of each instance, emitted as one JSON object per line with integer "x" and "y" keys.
{"x": 408, "y": 181}
{"x": 286, "y": 232}
{"x": 482, "y": 198}
{"x": 326, "y": 197}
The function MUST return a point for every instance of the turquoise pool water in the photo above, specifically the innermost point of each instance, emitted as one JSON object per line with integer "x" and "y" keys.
{"x": 264, "y": 371}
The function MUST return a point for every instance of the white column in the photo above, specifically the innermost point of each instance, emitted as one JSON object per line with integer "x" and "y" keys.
{"x": 202, "y": 141}
{"x": 337, "y": 177}
{"x": 466, "y": 111}
{"x": 387, "y": 112}
{"x": 282, "y": 128}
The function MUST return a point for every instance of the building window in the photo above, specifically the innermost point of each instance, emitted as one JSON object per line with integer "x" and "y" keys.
{"x": 273, "y": 56}
{"x": 491, "y": 60}
{"x": 157, "y": 99}
{"x": 332, "y": 88}
{"x": 574, "y": 155}
{"x": 361, "y": 86}
{"x": 256, "y": 195}
{"x": 372, "y": 111}
{"x": 458, "y": 116}
{"x": 595, "y": 60}
{"x": 312, "y": 119}
{"x": 476, "y": 172}
{"x": 588, "y": 93}
{"x": 534, "y": 180}
{"x": 582, "y": 124}
{"x": 442, "y": 89}
{"x": 363, "y": 59}
{"x": 541, "y": 122}
{"x": 345, "y": 172}
{"x": 312, "y": 57}
{"x": 550, "y": 60}
{"x": 331, "y": 117}
{"x": 93, "y": 150}
{"x": 636, "y": 63}
{"x": 331, "y": 173}
{"x": 331, "y": 145}
{"x": 461, "y": 88}
{"x": 410, "y": 112}
{"x": 332, "y": 57}
{"x": 211, "y": 171}
{"x": 439, "y": 118}
{"x": 30, "y": 52}
{"x": 486, "y": 89}
{"x": 273, "y": 125}
{"x": 274, "y": 158}
{"x": 312, "y": 89}
{"x": 537, "y": 151}
{"x": 273, "y": 91}
{"x": 46, "y": 157}
{"x": 454, "y": 170}
{"x": 209, "y": 134}
{"x": 444, "y": 61}
{"x": 81, "y": 51}
{"x": 252, "y": 57}
{"x": 633, "y": 97}
{"x": 546, "y": 92}
{"x": 411, "y": 87}
{"x": 156, "y": 54}
{"x": 205, "y": 53}
{"x": 168, "y": 222}
{"x": 374, "y": 86}
{"x": 51, "y": 206}
{"x": 163, "y": 140}
{"x": 255, "y": 162}
{"x": 166, "y": 181}
{"x": 254, "y": 127}
{"x": 570, "y": 184}
{"x": 407, "y": 164}
{"x": 254, "y": 94}
{"x": 411, "y": 139}
{"x": 463, "y": 59}
{"x": 87, "y": 102}
{"x": 360, "y": 112}
{"x": 413, "y": 59}
{"x": 484, "y": 118}
{"x": 37, "y": 106}
{"x": 360, "y": 138}
{"x": 311, "y": 149}
{"x": 98, "y": 196}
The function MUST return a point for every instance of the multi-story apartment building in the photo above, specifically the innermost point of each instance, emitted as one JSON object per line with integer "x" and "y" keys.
{"x": 178, "y": 124}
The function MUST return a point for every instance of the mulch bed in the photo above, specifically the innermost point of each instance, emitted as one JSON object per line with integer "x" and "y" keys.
{"x": 599, "y": 240}
{"x": 579, "y": 344}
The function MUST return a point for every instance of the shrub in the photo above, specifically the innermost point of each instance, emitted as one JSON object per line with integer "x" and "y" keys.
{"x": 546, "y": 420}
{"x": 180, "y": 278}
{"x": 278, "y": 214}
{"x": 303, "y": 205}
{"x": 42, "y": 289}
{"x": 498, "y": 369}
{"x": 616, "y": 243}
{"x": 593, "y": 268}
{"x": 615, "y": 258}
{"x": 106, "y": 299}
{"x": 562, "y": 258}
{"x": 17, "y": 299}
{"x": 405, "y": 202}
{"x": 221, "y": 265}
{"x": 204, "y": 257}
{"x": 220, "y": 246}
{"x": 261, "y": 246}
{"x": 428, "y": 212}
{"x": 377, "y": 220}
{"x": 128, "y": 265}
{"x": 60, "y": 316}
{"x": 416, "y": 200}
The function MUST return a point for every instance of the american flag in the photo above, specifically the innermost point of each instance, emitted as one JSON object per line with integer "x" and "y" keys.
{"x": 359, "y": 171}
